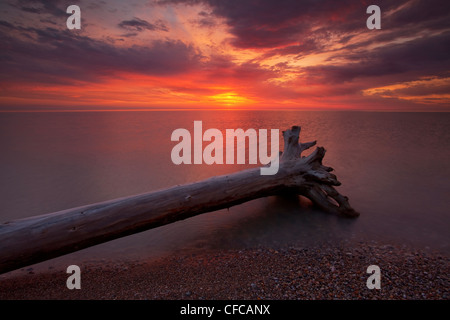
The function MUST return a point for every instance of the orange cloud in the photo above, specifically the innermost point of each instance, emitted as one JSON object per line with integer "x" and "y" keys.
{"x": 209, "y": 54}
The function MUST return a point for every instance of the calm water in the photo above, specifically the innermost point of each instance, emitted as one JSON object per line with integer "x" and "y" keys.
{"x": 394, "y": 167}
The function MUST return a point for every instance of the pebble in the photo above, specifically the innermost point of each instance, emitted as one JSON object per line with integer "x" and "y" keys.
{"x": 325, "y": 272}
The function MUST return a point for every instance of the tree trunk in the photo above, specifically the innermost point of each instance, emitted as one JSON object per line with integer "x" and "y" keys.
{"x": 31, "y": 240}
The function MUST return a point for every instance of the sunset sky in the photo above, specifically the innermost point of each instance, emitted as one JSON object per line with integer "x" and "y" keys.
{"x": 228, "y": 54}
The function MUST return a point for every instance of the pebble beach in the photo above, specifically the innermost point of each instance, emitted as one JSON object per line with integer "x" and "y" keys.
{"x": 291, "y": 272}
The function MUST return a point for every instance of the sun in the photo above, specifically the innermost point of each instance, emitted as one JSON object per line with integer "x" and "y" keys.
{"x": 230, "y": 99}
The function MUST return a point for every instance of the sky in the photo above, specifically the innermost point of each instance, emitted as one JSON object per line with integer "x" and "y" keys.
{"x": 225, "y": 54}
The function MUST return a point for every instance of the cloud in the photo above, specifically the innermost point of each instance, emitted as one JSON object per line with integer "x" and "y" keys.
{"x": 59, "y": 56}
{"x": 302, "y": 25}
{"x": 54, "y": 7}
{"x": 205, "y": 20}
{"x": 223, "y": 69}
{"x": 286, "y": 50}
{"x": 269, "y": 24}
{"x": 421, "y": 14}
{"x": 426, "y": 90}
{"x": 308, "y": 46}
{"x": 139, "y": 25}
{"x": 424, "y": 56}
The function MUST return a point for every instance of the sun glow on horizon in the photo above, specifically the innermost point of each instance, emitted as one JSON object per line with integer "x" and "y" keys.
{"x": 230, "y": 99}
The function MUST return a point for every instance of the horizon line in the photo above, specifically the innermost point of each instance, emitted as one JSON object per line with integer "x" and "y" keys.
{"x": 215, "y": 109}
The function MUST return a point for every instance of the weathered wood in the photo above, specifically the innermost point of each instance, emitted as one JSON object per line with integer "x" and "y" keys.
{"x": 31, "y": 240}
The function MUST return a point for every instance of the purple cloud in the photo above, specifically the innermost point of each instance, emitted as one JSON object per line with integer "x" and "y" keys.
{"x": 52, "y": 55}
{"x": 138, "y": 25}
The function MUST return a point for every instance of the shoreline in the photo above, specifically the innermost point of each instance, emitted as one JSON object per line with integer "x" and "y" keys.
{"x": 331, "y": 272}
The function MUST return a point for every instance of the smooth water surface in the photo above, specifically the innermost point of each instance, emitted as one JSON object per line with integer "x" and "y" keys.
{"x": 394, "y": 167}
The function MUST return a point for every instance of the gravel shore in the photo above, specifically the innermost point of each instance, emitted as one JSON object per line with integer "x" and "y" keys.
{"x": 291, "y": 272}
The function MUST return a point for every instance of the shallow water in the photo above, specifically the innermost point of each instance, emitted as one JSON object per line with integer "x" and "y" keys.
{"x": 394, "y": 167}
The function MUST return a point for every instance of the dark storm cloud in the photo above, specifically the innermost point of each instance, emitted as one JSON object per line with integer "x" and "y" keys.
{"x": 138, "y": 25}
{"x": 56, "y": 56}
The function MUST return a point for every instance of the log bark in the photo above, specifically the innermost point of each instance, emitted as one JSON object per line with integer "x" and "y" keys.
{"x": 31, "y": 240}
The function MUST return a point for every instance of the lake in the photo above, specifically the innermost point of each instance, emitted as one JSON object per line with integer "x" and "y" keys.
{"x": 394, "y": 167}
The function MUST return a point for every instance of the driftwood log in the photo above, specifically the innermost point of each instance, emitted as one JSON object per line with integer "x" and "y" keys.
{"x": 31, "y": 240}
